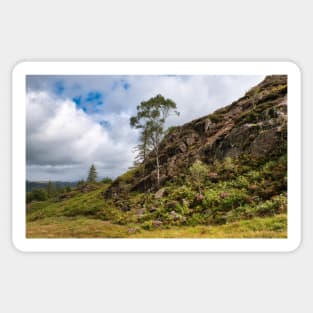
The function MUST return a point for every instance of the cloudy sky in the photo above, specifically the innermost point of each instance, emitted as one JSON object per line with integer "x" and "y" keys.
{"x": 74, "y": 121}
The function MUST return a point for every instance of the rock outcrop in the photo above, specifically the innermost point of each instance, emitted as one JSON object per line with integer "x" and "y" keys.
{"x": 255, "y": 125}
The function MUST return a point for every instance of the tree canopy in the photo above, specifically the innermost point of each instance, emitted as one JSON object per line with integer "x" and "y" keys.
{"x": 92, "y": 176}
{"x": 150, "y": 118}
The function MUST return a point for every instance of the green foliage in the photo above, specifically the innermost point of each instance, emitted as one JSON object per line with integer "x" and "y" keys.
{"x": 128, "y": 175}
{"x": 277, "y": 204}
{"x": 106, "y": 180}
{"x": 86, "y": 204}
{"x": 50, "y": 189}
{"x": 183, "y": 193}
{"x": 170, "y": 130}
{"x": 150, "y": 119}
{"x": 198, "y": 172}
{"x": 246, "y": 188}
{"x": 143, "y": 148}
{"x": 39, "y": 195}
{"x": 211, "y": 199}
{"x": 258, "y": 189}
{"x": 36, "y": 195}
{"x": 148, "y": 225}
{"x": 234, "y": 197}
{"x": 29, "y": 197}
{"x": 68, "y": 189}
{"x": 80, "y": 183}
{"x": 92, "y": 176}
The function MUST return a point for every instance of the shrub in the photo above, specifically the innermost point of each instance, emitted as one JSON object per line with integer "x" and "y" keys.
{"x": 278, "y": 204}
{"x": 198, "y": 172}
{"x": 183, "y": 193}
{"x": 242, "y": 212}
{"x": 211, "y": 199}
{"x": 241, "y": 182}
{"x": 228, "y": 164}
{"x": 233, "y": 199}
{"x": 197, "y": 218}
{"x": 148, "y": 225}
{"x": 68, "y": 189}
{"x": 29, "y": 197}
{"x": 106, "y": 180}
{"x": 36, "y": 195}
{"x": 281, "y": 202}
{"x": 254, "y": 176}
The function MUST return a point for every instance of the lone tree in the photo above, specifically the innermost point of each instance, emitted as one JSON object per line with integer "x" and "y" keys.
{"x": 92, "y": 176}
{"x": 198, "y": 172}
{"x": 143, "y": 148}
{"x": 150, "y": 118}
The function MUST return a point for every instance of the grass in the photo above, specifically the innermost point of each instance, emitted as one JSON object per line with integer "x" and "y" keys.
{"x": 89, "y": 203}
{"x": 247, "y": 201}
{"x": 84, "y": 227}
{"x": 78, "y": 227}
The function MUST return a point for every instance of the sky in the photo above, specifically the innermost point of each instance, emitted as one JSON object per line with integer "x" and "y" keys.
{"x": 75, "y": 121}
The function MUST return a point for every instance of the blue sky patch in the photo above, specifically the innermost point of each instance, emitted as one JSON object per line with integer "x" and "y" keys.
{"x": 90, "y": 102}
{"x": 77, "y": 100}
{"x": 93, "y": 96}
{"x": 58, "y": 87}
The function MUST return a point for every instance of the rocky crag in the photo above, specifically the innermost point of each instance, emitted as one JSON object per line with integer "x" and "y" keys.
{"x": 254, "y": 125}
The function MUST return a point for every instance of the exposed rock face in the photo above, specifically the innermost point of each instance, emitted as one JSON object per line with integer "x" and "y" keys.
{"x": 256, "y": 125}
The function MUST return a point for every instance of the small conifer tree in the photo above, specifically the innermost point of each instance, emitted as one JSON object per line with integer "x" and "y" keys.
{"x": 92, "y": 176}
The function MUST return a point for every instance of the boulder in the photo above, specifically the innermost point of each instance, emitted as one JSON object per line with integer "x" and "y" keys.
{"x": 141, "y": 211}
{"x": 159, "y": 194}
{"x": 157, "y": 223}
{"x": 132, "y": 230}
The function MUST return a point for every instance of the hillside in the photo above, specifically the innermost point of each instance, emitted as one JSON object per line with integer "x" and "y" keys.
{"x": 255, "y": 125}
{"x": 222, "y": 175}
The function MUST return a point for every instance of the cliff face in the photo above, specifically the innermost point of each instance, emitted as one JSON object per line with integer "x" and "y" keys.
{"x": 254, "y": 125}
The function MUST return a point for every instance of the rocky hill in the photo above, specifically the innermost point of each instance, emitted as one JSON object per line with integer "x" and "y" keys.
{"x": 222, "y": 176}
{"x": 255, "y": 125}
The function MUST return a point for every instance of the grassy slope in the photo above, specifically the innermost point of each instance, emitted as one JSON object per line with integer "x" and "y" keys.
{"x": 82, "y": 227}
{"x": 85, "y": 214}
{"x": 81, "y": 203}
{"x": 77, "y": 218}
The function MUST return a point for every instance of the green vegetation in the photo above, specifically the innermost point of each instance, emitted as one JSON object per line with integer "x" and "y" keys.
{"x": 198, "y": 172}
{"x": 270, "y": 227}
{"x": 36, "y": 195}
{"x": 220, "y": 176}
{"x": 246, "y": 198}
{"x": 106, "y": 180}
{"x": 84, "y": 201}
{"x": 150, "y": 118}
{"x": 92, "y": 176}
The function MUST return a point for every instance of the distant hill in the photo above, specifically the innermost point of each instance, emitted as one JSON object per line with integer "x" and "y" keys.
{"x": 31, "y": 185}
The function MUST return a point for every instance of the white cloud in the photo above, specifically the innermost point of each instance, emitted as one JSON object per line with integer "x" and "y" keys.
{"x": 62, "y": 140}
{"x": 61, "y": 137}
